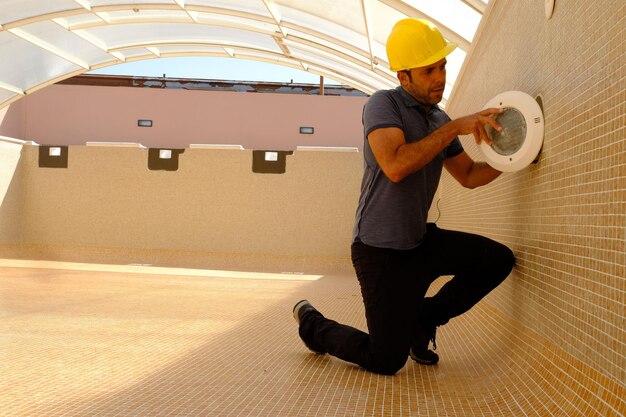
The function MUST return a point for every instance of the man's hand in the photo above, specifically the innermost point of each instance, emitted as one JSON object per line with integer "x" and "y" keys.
{"x": 475, "y": 124}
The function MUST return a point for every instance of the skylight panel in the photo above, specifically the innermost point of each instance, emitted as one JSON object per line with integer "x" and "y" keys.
{"x": 455, "y": 14}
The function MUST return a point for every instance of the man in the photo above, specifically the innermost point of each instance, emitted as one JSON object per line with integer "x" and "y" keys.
{"x": 395, "y": 252}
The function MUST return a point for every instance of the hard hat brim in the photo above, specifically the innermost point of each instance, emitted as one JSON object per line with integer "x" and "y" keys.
{"x": 447, "y": 50}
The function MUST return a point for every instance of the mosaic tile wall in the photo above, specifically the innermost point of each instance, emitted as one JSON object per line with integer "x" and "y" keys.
{"x": 564, "y": 217}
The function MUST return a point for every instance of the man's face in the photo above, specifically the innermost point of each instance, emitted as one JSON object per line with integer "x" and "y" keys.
{"x": 426, "y": 84}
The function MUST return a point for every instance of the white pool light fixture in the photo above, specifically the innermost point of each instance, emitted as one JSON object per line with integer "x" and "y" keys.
{"x": 521, "y": 138}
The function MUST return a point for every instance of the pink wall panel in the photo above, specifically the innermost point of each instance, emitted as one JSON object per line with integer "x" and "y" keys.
{"x": 73, "y": 115}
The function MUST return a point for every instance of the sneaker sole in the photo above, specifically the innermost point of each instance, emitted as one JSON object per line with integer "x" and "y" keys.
{"x": 296, "y": 309}
{"x": 423, "y": 361}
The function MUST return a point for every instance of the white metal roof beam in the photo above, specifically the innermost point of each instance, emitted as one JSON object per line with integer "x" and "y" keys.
{"x": 410, "y": 11}
{"x": 12, "y": 88}
{"x": 274, "y": 11}
{"x": 324, "y": 50}
{"x": 477, "y": 5}
{"x": 281, "y": 44}
{"x": 327, "y": 38}
{"x": 154, "y": 50}
{"x": 97, "y": 43}
{"x": 84, "y": 3}
{"x": 358, "y": 84}
{"x": 157, "y": 43}
{"x": 42, "y": 17}
{"x": 368, "y": 33}
{"x": 49, "y": 47}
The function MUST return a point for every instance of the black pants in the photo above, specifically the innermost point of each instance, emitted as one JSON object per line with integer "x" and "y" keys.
{"x": 393, "y": 286}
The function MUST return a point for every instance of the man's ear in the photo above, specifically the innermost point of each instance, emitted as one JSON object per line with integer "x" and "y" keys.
{"x": 402, "y": 77}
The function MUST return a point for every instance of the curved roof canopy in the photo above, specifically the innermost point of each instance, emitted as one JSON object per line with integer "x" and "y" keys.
{"x": 43, "y": 42}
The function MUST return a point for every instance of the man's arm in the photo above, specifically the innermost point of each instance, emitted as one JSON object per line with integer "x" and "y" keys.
{"x": 468, "y": 173}
{"x": 398, "y": 159}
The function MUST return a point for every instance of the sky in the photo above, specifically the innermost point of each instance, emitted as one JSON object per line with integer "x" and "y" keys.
{"x": 213, "y": 68}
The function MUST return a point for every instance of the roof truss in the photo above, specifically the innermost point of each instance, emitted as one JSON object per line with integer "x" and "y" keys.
{"x": 343, "y": 40}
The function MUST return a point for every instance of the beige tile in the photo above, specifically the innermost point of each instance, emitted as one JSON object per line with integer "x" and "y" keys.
{"x": 95, "y": 342}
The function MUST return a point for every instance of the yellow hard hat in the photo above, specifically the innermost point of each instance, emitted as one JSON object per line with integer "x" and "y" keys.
{"x": 415, "y": 43}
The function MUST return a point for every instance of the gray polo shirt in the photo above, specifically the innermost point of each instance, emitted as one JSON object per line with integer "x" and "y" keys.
{"x": 393, "y": 215}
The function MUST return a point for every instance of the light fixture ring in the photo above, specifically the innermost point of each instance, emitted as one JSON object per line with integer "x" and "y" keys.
{"x": 519, "y": 143}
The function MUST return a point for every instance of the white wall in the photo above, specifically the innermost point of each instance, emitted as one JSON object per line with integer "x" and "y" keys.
{"x": 10, "y": 192}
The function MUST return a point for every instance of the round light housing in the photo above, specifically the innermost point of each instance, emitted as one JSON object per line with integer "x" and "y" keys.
{"x": 521, "y": 138}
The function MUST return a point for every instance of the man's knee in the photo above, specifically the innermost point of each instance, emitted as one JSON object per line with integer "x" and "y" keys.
{"x": 501, "y": 262}
{"x": 505, "y": 260}
{"x": 389, "y": 364}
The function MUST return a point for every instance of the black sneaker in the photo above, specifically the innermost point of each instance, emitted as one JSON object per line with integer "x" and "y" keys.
{"x": 302, "y": 308}
{"x": 419, "y": 351}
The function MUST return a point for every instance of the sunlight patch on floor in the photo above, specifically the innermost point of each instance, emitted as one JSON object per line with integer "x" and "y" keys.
{"x": 155, "y": 270}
